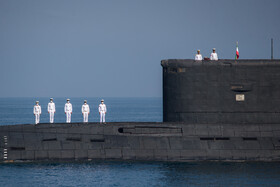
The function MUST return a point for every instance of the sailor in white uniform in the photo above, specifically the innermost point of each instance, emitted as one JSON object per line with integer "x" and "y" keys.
{"x": 68, "y": 111}
{"x": 37, "y": 112}
{"x": 85, "y": 111}
{"x": 102, "y": 111}
{"x": 51, "y": 110}
{"x": 198, "y": 56}
{"x": 214, "y": 55}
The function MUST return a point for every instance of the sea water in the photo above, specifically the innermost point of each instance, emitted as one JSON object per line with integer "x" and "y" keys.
{"x": 115, "y": 173}
{"x": 20, "y": 110}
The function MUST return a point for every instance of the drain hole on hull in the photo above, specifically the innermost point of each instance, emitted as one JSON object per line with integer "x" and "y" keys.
{"x": 73, "y": 139}
{"x": 250, "y": 139}
{"x": 206, "y": 138}
{"x": 120, "y": 130}
{"x": 222, "y": 138}
{"x": 49, "y": 140}
{"x": 97, "y": 140}
{"x": 17, "y": 148}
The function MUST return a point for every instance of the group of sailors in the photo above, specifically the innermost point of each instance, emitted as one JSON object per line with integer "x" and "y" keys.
{"x": 213, "y": 56}
{"x": 68, "y": 111}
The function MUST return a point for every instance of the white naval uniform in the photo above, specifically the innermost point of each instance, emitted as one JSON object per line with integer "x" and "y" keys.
{"x": 37, "y": 112}
{"x": 85, "y": 111}
{"x": 102, "y": 110}
{"x": 68, "y": 111}
{"x": 198, "y": 57}
{"x": 51, "y": 111}
{"x": 214, "y": 56}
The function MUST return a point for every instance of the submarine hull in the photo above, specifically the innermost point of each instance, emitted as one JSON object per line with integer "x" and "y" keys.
{"x": 140, "y": 141}
{"x": 222, "y": 110}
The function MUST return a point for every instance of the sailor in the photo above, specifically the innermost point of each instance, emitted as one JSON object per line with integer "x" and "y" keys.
{"x": 214, "y": 55}
{"x": 85, "y": 111}
{"x": 68, "y": 111}
{"x": 51, "y": 110}
{"x": 102, "y": 111}
{"x": 198, "y": 56}
{"x": 37, "y": 112}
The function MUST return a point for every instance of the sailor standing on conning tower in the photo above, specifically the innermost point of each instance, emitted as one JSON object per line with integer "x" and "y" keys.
{"x": 85, "y": 111}
{"x": 214, "y": 55}
{"x": 198, "y": 56}
{"x": 102, "y": 111}
{"x": 51, "y": 110}
{"x": 37, "y": 112}
{"x": 68, "y": 111}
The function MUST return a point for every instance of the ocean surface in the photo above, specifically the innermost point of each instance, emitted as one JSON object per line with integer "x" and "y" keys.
{"x": 115, "y": 173}
{"x": 20, "y": 110}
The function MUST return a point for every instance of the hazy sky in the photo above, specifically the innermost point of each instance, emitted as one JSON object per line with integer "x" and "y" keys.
{"x": 101, "y": 48}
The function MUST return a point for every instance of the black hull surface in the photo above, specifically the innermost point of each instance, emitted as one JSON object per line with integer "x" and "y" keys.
{"x": 140, "y": 141}
{"x": 224, "y": 91}
{"x": 224, "y": 110}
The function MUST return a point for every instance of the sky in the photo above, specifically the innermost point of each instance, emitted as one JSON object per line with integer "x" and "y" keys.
{"x": 109, "y": 48}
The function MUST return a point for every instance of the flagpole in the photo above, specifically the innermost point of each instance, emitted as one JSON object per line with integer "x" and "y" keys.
{"x": 236, "y": 49}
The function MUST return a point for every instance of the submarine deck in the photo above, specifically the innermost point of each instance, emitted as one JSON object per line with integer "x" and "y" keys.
{"x": 154, "y": 141}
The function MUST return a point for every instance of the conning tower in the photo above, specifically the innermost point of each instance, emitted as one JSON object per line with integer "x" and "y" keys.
{"x": 223, "y": 91}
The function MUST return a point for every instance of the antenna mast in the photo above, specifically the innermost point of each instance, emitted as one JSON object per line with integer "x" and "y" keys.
{"x": 271, "y": 48}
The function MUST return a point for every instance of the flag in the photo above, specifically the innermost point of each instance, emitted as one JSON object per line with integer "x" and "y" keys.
{"x": 237, "y": 53}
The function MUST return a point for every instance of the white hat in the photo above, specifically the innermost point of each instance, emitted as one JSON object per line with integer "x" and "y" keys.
{"x": 68, "y": 99}
{"x": 51, "y": 98}
{"x": 102, "y": 100}
{"x": 37, "y": 101}
{"x": 214, "y": 49}
{"x": 85, "y": 101}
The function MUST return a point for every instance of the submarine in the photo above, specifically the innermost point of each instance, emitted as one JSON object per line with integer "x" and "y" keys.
{"x": 225, "y": 110}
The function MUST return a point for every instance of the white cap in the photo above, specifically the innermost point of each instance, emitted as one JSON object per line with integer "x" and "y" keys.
{"x": 68, "y": 99}
{"x": 85, "y": 101}
{"x": 51, "y": 98}
{"x": 102, "y": 100}
{"x": 214, "y": 49}
{"x": 37, "y": 101}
